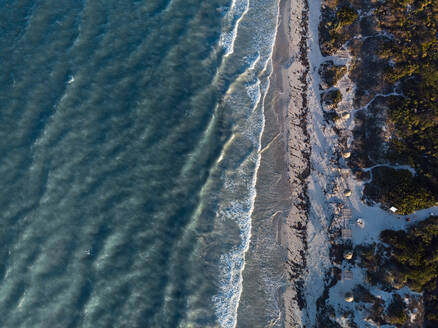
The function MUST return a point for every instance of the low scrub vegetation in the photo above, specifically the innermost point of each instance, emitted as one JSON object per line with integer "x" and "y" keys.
{"x": 345, "y": 16}
{"x": 399, "y": 188}
{"x": 396, "y": 312}
{"x": 333, "y": 28}
{"x": 331, "y": 73}
{"x": 407, "y": 258}
{"x": 332, "y": 98}
{"x": 415, "y": 255}
{"x": 413, "y": 52}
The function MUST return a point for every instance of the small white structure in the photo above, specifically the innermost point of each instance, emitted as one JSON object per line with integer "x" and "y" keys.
{"x": 348, "y": 255}
{"x": 347, "y": 192}
{"x": 349, "y": 297}
{"x": 347, "y": 154}
{"x": 345, "y": 116}
{"x": 361, "y": 223}
{"x": 393, "y": 209}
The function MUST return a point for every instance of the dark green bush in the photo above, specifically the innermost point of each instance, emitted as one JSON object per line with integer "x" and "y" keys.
{"x": 345, "y": 16}
{"x": 331, "y": 73}
{"x": 399, "y": 188}
{"x": 333, "y": 97}
{"x": 414, "y": 258}
{"x": 416, "y": 253}
{"x": 414, "y": 117}
{"x": 396, "y": 314}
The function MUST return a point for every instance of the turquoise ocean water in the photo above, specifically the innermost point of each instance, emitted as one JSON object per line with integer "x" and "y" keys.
{"x": 129, "y": 139}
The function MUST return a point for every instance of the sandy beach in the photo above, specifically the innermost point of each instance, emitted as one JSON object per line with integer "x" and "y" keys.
{"x": 278, "y": 244}
{"x": 293, "y": 69}
{"x": 281, "y": 207}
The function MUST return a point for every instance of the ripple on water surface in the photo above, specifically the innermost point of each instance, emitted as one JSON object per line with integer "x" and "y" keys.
{"x": 115, "y": 211}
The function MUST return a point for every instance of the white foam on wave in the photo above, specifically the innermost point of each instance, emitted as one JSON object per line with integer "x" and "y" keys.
{"x": 254, "y": 93}
{"x": 233, "y": 263}
{"x": 238, "y": 10}
{"x": 239, "y": 211}
{"x": 254, "y": 60}
{"x": 224, "y": 149}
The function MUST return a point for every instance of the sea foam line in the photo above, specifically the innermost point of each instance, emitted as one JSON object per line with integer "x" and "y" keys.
{"x": 239, "y": 8}
{"x": 228, "y": 319}
{"x": 259, "y": 148}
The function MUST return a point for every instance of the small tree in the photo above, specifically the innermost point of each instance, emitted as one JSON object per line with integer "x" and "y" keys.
{"x": 345, "y": 16}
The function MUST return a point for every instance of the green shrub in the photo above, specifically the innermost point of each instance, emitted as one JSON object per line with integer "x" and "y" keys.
{"x": 333, "y": 97}
{"x": 416, "y": 252}
{"x": 414, "y": 117}
{"x": 345, "y": 16}
{"x": 396, "y": 314}
{"x": 399, "y": 188}
{"x": 414, "y": 257}
{"x": 331, "y": 73}
{"x": 400, "y": 71}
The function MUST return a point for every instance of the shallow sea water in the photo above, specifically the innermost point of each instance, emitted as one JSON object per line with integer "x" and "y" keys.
{"x": 129, "y": 139}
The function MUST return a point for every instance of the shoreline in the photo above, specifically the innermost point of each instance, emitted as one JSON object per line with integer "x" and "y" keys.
{"x": 265, "y": 282}
{"x": 289, "y": 149}
{"x": 302, "y": 183}
{"x": 280, "y": 213}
